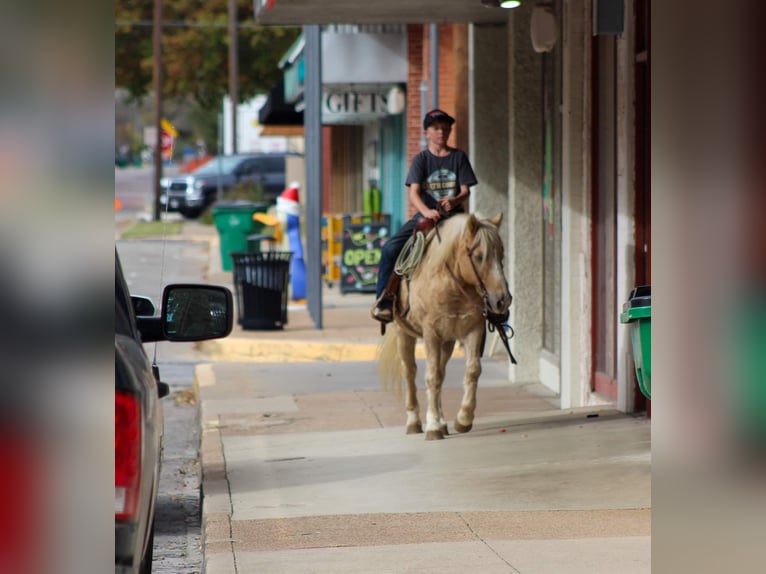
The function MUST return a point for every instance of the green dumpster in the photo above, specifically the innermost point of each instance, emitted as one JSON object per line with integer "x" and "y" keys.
{"x": 637, "y": 314}
{"x": 745, "y": 344}
{"x": 234, "y": 222}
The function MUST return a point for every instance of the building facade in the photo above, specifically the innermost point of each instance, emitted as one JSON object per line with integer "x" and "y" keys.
{"x": 552, "y": 105}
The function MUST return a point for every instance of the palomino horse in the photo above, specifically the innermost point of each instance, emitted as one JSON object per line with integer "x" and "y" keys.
{"x": 458, "y": 283}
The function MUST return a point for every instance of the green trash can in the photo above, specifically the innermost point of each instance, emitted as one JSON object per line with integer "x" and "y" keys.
{"x": 637, "y": 314}
{"x": 745, "y": 343}
{"x": 234, "y": 222}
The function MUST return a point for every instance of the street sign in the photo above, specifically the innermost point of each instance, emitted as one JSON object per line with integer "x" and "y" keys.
{"x": 167, "y": 145}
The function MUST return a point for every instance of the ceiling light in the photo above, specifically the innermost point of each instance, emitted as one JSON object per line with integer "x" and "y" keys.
{"x": 501, "y": 3}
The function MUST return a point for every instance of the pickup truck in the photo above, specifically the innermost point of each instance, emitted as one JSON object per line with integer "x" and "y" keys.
{"x": 189, "y": 313}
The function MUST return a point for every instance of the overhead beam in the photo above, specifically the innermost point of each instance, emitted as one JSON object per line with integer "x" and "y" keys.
{"x": 302, "y": 12}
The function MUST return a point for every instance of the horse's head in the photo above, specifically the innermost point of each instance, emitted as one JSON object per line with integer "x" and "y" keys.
{"x": 480, "y": 261}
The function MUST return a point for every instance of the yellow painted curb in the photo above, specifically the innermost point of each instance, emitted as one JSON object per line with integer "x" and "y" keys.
{"x": 281, "y": 351}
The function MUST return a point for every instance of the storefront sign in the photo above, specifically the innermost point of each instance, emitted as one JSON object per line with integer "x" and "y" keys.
{"x": 354, "y": 106}
{"x": 362, "y": 245}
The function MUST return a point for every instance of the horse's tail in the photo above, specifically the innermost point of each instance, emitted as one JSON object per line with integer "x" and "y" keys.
{"x": 389, "y": 363}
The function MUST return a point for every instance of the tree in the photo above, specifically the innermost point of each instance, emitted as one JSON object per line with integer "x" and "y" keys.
{"x": 195, "y": 50}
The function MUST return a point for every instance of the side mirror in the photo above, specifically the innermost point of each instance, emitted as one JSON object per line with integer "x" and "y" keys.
{"x": 142, "y": 306}
{"x": 196, "y": 312}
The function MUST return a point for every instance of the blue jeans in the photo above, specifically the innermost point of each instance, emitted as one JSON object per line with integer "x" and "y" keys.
{"x": 391, "y": 251}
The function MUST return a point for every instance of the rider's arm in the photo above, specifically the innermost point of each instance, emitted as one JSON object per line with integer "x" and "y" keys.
{"x": 461, "y": 199}
{"x": 425, "y": 211}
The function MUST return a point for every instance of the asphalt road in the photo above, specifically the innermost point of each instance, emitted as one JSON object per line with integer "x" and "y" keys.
{"x": 134, "y": 188}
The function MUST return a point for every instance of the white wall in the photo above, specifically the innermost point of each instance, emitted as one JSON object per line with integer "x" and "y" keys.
{"x": 248, "y": 129}
{"x": 364, "y": 58}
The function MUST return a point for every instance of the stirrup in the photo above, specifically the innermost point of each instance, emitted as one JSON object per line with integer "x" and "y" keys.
{"x": 382, "y": 314}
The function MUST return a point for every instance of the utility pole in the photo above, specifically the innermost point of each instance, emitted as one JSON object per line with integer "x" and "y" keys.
{"x": 233, "y": 71}
{"x": 157, "y": 77}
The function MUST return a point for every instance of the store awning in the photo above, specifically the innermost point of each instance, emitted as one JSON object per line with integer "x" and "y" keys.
{"x": 300, "y": 12}
{"x": 276, "y": 111}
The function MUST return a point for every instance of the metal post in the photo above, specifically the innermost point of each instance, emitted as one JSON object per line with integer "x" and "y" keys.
{"x": 423, "y": 109}
{"x": 157, "y": 81}
{"x": 233, "y": 71}
{"x": 312, "y": 122}
{"x": 434, "y": 52}
{"x": 219, "y": 193}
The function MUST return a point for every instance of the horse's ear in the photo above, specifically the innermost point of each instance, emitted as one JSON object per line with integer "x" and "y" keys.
{"x": 472, "y": 225}
{"x": 496, "y": 220}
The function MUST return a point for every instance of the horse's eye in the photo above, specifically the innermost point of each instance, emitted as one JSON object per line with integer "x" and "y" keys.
{"x": 479, "y": 257}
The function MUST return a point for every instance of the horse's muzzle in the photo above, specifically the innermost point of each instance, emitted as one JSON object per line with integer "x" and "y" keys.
{"x": 498, "y": 303}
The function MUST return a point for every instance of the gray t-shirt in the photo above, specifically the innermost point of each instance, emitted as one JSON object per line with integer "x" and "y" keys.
{"x": 440, "y": 177}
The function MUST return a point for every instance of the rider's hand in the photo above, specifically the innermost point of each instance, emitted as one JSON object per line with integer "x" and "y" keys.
{"x": 446, "y": 204}
{"x": 432, "y": 214}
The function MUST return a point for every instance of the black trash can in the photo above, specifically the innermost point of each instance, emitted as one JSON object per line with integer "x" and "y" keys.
{"x": 254, "y": 243}
{"x": 260, "y": 286}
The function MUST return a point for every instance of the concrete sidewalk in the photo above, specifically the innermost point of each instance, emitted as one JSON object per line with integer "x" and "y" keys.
{"x": 306, "y": 466}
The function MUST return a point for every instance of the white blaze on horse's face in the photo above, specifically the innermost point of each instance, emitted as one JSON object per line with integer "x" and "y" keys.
{"x": 485, "y": 248}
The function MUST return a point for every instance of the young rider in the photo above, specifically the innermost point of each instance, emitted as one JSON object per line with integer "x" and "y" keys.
{"x": 439, "y": 183}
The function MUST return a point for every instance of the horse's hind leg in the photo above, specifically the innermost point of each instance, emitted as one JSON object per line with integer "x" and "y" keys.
{"x": 406, "y": 345}
{"x": 472, "y": 344}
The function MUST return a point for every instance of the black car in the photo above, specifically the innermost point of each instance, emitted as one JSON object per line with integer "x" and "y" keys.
{"x": 190, "y": 194}
{"x": 189, "y": 313}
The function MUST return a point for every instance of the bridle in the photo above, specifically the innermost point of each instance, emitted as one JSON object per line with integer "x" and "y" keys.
{"x": 495, "y": 321}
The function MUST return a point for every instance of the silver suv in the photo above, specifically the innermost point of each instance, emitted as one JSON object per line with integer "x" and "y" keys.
{"x": 191, "y": 193}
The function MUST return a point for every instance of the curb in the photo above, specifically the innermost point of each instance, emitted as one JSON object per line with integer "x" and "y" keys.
{"x": 215, "y": 498}
{"x": 291, "y": 350}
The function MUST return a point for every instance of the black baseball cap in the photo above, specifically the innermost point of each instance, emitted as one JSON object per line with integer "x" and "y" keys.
{"x": 437, "y": 115}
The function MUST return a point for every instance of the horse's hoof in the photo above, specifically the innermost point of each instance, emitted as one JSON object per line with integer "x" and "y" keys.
{"x": 462, "y": 428}
{"x": 434, "y": 435}
{"x": 415, "y": 428}
{"x": 445, "y": 431}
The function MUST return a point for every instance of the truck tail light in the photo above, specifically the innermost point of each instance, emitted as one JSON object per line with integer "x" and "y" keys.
{"x": 127, "y": 455}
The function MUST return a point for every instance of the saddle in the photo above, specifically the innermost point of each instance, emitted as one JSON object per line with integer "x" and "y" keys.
{"x": 391, "y": 291}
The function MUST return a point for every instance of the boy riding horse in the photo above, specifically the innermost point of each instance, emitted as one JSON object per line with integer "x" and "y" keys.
{"x": 439, "y": 184}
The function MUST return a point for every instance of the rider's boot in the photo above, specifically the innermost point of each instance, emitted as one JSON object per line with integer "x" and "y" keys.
{"x": 383, "y": 310}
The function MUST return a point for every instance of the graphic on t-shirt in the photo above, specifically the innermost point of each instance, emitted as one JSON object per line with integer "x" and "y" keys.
{"x": 442, "y": 183}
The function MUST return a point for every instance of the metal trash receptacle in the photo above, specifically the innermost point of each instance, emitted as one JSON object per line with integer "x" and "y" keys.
{"x": 254, "y": 242}
{"x": 260, "y": 286}
{"x": 637, "y": 313}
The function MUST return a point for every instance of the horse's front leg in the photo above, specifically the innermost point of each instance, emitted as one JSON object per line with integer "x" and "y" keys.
{"x": 436, "y": 427}
{"x": 406, "y": 347}
{"x": 472, "y": 345}
{"x": 446, "y": 352}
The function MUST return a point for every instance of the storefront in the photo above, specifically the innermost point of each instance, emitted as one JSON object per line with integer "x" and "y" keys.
{"x": 364, "y": 72}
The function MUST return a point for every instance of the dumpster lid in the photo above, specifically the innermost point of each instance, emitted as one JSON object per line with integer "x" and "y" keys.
{"x": 641, "y": 296}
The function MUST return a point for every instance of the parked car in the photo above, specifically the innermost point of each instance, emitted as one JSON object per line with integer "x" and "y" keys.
{"x": 189, "y": 313}
{"x": 191, "y": 193}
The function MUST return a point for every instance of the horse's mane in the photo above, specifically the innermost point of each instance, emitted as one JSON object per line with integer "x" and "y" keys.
{"x": 450, "y": 232}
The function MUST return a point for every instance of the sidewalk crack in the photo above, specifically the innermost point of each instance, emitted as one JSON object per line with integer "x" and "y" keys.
{"x": 231, "y": 502}
{"x": 369, "y": 408}
{"x": 480, "y": 539}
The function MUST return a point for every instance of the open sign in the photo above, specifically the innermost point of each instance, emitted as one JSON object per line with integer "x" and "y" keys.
{"x": 362, "y": 246}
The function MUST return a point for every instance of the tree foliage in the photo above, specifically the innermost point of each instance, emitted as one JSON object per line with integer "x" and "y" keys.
{"x": 195, "y": 49}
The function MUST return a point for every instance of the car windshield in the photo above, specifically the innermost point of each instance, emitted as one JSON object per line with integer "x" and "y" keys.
{"x": 227, "y": 166}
